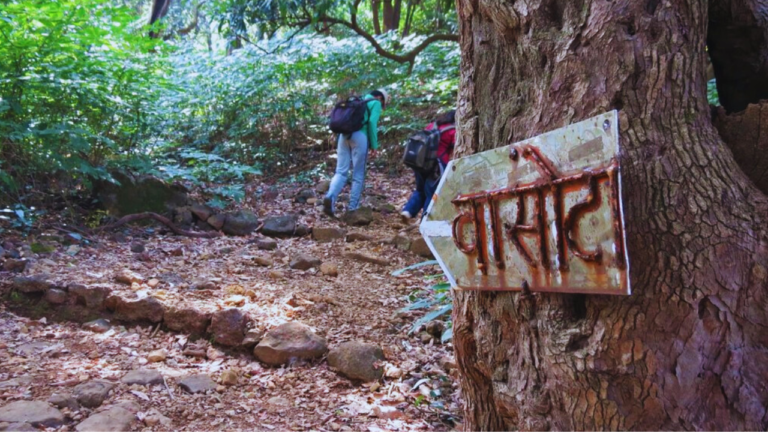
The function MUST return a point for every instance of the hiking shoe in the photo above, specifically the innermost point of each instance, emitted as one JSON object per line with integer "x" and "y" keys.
{"x": 405, "y": 216}
{"x": 328, "y": 206}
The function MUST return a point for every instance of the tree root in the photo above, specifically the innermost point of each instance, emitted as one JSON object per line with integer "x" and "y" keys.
{"x": 167, "y": 222}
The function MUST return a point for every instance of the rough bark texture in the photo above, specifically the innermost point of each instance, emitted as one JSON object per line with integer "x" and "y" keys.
{"x": 738, "y": 45}
{"x": 688, "y": 349}
{"x": 746, "y": 133}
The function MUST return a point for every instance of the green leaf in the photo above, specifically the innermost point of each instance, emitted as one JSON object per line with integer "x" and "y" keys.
{"x": 414, "y": 266}
{"x": 430, "y": 316}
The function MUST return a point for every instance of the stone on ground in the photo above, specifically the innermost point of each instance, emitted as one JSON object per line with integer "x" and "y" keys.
{"x": 128, "y": 277}
{"x": 115, "y": 419}
{"x": 32, "y": 284}
{"x": 138, "y": 247}
{"x": 360, "y": 217}
{"x": 329, "y": 269}
{"x": 217, "y": 221}
{"x": 36, "y": 413}
{"x": 20, "y": 427}
{"x": 200, "y": 383}
{"x": 402, "y": 242}
{"x": 143, "y": 377}
{"x": 91, "y": 296}
{"x": 323, "y": 186}
{"x": 280, "y": 226}
{"x": 201, "y": 211}
{"x": 327, "y": 234}
{"x": 32, "y": 348}
{"x": 359, "y": 256}
{"x": 228, "y": 327}
{"x": 23, "y": 380}
{"x": 358, "y": 236}
{"x": 266, "y": 244}
{"x": 435, "y": 328}
{"x": 56, "y": 296}
{"x": 144, "y": 309}
{"x": 263, "y": 261}
{"x": 357, "y": 360}
{"x": 304, "y": 195}
{"x": 15, "y": 265}
{"x": 154, "y": 417}
{"x": 64, "y": 401}
{"x": 252, "y": 337}
{"x": 240, "y": 223}
{"x": 97, "y": 326}
{"x": 229, "y": 377}
{"x": 420, "y": 248}
{"x": 203, "y": 285}
{"x": 304, "y": 262}
{"x": 92, "y": 394}
{"x": 289, "y": 341}
{"x": 157, "y": 356}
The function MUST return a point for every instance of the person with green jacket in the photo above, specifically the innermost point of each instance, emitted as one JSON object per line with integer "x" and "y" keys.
{"x": 352, "y": 151}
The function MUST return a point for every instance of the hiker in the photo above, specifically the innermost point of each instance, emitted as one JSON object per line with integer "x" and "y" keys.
{"x": 428, "y": 178}
{"x": 358, "y": 132}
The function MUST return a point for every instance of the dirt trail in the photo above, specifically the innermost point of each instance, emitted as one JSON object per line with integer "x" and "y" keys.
{"x": 40, "y": 357}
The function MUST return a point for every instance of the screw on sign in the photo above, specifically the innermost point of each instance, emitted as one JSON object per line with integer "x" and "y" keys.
{"x": 544, "y": 214}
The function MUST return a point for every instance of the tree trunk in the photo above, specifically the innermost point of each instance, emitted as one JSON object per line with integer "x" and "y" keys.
{"x": 375, "y": 7}
{"x": 687, "y": 350}
{"x": 391, "y": 15}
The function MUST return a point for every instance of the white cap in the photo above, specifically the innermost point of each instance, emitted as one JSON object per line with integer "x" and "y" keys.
{"x": 386, "y": 95}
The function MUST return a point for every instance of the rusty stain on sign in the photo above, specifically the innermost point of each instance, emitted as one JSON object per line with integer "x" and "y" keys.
{"x": 545, "y": 212}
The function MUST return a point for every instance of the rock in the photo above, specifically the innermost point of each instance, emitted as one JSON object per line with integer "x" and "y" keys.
{"x": 240, "y": 223}
{"x": 183, "y": 217}
{"x": 56, "y": 296}
{"x": 153, "y": 417}
{"x": 301, "y": 230}
{"x": 197, "y": 384}
{"x": 425, "y": 337}
{"x": 32, "y": 284}
{"x": 19, "y": 427}
{"x": 143, "y": 377}
{"x": 401, "y": 242}
{"x": 212, "y": 353}
{"x": 153, "y": 283}
{"x": 359, "y": 256}
{"x": 203, "y": 285}
{"x": 304, "y": 262}
{"x": 387, "y": 412}
{"x": 304, "y": 195}
{"x": 194, "y": 351}
{"x": 275, "y": 274}
{"x": 435, "y": 328}
{"x": 323, "y": 186}
{"x": 263, "y": 261}
{"x": 64, "y": 401}
{"x": 36, "y": 413}
{"x": 392, "y": 371}
{"x": 327, "y": 234}
{"x": 278, "y": 404}
{"x": 128, "y": 277}
{"x": 292, "y": 340}
{"x": 217, "y": 221}
{"x": 280, "y": 226}
{"x": 32, "y": 348}
{"x": 201, "y": 211}
{"x": 312, "y": 201}
{"x": 252, "y": 337}
{"x": 92, "y": 297}
{"x": 420, "y": 248}
{"x": 97, "y": 326}
{"x": 144, "y": 309}
{"x": 448, "y": 363}
{"x": 329, "y": 269}
{"x": 129, "y": 405}
{"x": 360, "y": 217}
{"x": 157, "y": 356}
{"x": 92, "y": 394}
{"x": 115, "y": 419}
{"x": 229, "y": 377}
{"x": 42, "y": 248}
{"x": 228, "y": 327}
{"x": 357, "y": 360}
{"x": 266, "y": 244}
{"x": 187, "y": 320}
{"x": 15, "y": 265}
{"x": 139, "y": 194}
{"x": 137, "y": 247}
{"x": 358, "y": 236}
{"x": 23, "y": 380}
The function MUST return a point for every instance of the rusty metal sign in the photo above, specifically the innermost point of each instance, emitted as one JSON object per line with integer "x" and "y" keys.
{"x": 544, "y": 213}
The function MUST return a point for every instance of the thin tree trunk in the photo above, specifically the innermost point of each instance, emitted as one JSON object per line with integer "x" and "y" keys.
{"x": 688, "y": 349}
{"x": 375, "y": 6}
{"x": 389, "y": 16}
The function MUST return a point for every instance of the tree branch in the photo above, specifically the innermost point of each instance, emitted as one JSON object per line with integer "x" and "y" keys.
{"x": 139, "y": 216}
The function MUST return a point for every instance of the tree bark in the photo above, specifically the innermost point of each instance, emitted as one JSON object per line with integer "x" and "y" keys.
{"x": 687, "y": 350}
{"x": 375, "y": 7}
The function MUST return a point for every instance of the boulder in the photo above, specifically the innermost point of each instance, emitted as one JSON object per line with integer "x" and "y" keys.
{"x": 420, "y": 248}
{"x": 266, "y": 244}
{"x": 139, "y": 194}
{"x": 280, "y": 226}
{"x": 115, "y": 419}
{"x": 329, "y": 269}
{"x": 217, "y": 221}
{"x": 357, "y": 360}
{"x": 144, "y": 309}
{"x": 36, "y": 413}
{"x": 360, "y": 217}
{"x": 97, "y": 326}
{"x": 252, "y": 337}
{"x": 240, "y": 223}
{"x": 64, "y": 401}
{"x": 143, "y": 377}
{"x": 32, "y": 284}
{"x": 187, "y": 320}
{"x": 201, "y": 211}
{"x": 289, "y": 341}
{"x": 91, "y": 296}
{"x": 182, "y": 217}
{"x": 200, "y": 383}
{"x": 304, "y": 195}
{"x": 92, "y": 394}
{"x": 228, "y": 327}
{"x": 327, "y": 234}
{"x": 56, "y": 296}
{"x": 304, "y": 262}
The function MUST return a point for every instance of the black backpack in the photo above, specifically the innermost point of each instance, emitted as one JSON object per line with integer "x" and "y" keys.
{"x": 347, "y": 116}
{"x": 421, "y": 149}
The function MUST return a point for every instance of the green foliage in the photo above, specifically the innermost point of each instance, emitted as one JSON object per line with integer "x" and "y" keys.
{"x": 712, "y": 96}
{"x": 77, "y": 83}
